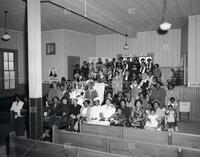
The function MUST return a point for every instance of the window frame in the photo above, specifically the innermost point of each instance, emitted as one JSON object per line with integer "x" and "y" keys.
{"x": 15, "y": 57}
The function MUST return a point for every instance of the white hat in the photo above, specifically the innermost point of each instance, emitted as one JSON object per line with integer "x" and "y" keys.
{"x": 97, "y": 99}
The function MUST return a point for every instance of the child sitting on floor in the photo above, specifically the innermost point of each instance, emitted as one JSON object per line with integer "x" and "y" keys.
{"x": 152, "y": 122}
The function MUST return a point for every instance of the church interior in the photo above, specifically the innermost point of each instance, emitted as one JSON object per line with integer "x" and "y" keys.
{"x": 99, "y": 78}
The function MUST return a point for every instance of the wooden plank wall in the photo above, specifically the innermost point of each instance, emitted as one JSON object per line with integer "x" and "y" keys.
{"x": 191, "y": 94}
{"x": 166, "y": 48}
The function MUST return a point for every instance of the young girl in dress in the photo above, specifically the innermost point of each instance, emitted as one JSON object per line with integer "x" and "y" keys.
{"x": 152, "y": 122}
{"x": 170, "y": 118}
{"x": 174, "y": 105}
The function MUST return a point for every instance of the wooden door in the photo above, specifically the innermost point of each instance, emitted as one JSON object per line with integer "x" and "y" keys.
{"x": 72, "y": 61}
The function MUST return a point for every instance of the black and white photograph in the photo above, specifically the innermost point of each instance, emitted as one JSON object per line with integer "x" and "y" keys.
{"x": 99, "y": 78}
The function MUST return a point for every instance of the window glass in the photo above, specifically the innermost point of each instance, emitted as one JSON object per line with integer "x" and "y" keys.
{"x": 11, "y": 58}
{"x": 5, "y": 65}
{"x": 5, "y": 56}
{"x": 11, "y": 65}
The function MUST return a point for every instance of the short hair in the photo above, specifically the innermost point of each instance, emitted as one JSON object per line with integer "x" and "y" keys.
{"x": 156, "y": 101}
{"x": 77, "y": 65}
{"x": 55, "y": 97}
{"x": 17, "y": 96}
{"x": 152, "y": 109}
{"x": 120, "y": 58}
{"x": 123, "y": 100}
{"x": 87, "y": 101}
{"x": 172, "y": 98}
{"x": 138, "y": 100}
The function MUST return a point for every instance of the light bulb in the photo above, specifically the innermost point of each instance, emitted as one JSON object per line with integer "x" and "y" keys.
{"x": 126, "y": 46}
{"x": 6, "y": 37}
{"x": 165, "y": 26}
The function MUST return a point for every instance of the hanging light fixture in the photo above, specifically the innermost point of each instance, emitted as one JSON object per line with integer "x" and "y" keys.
{"x": 6, "y": 36}
{"x": 165, "y": 26}
{"x": 126, "y": 43}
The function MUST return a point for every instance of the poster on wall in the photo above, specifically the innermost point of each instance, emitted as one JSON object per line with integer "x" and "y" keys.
{"x": 53, "y": 75}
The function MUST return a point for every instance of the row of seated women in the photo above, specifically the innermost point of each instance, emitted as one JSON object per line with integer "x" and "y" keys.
{"x": 67, "y": 114}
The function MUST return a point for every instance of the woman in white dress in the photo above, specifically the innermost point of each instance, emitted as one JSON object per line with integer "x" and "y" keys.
{"x": 107, "y": 110}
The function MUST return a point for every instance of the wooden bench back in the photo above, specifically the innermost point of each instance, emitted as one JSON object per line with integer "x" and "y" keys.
{"x": 35, "y": 148}
{"x": 156, "y": 137}
{"x": 111, "y": 131}
{"x": 127, "y": 147}
{"x": 84, "y": 141}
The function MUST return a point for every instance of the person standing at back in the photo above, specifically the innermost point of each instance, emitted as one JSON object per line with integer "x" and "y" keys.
{"x": 17, "y": 120}
{"x": 159, "y": 94}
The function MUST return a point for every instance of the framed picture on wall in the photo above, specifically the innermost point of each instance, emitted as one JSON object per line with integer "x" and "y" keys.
{"x": 50, "y": 49}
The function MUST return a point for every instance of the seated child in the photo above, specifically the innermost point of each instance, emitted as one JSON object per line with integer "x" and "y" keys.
{"x": 152, "y": 122}
{"x": 170, "y": 117}
{"x": 118, "y": 119}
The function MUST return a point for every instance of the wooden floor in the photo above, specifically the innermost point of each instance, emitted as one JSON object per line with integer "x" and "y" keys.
{"x": 184, "y": 126}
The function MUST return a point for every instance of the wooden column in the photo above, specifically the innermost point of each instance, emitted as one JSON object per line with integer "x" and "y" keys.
{"x": 194, "y": 51}
{"x": 34, "y": 68}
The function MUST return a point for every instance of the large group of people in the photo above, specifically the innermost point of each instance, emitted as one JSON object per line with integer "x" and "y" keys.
{"x": 133, "y": 97}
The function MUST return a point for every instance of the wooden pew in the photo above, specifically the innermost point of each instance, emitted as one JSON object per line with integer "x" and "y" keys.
{"x": 120, "y": 146}
{"x": 156, "y": 137}
{"x": 21, "y": 147}
{"x": 110, "y": 131}
{"x": 141, "y": 149}
{"x": 144, "y": 149}
{"x": 186, "y": 140}
{"x": 76, "y": 139}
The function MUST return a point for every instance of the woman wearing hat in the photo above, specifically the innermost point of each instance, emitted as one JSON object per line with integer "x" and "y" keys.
{"x": 95, "y": 110}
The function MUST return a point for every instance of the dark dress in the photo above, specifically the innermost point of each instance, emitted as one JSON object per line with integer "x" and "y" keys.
{"x": 137, "y": 114}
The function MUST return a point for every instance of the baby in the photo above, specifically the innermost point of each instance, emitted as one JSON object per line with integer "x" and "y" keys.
{"x": 152, "y": 122}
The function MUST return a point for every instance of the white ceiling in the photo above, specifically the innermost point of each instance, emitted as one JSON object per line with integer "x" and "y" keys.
{"x": 112, "y": 13}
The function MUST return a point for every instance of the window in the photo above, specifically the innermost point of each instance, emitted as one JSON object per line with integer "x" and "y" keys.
{"x": 9, "y": 70}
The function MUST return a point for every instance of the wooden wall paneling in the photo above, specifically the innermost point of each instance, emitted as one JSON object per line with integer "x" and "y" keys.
{"x": 17, "y": 43}
{"x": 146, "y": 42}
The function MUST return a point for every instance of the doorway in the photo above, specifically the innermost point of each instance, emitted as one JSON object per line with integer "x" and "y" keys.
{"x": 72, "y": 61}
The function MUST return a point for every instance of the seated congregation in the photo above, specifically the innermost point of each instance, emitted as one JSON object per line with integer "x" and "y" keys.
{"x": 132, "y": 91}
